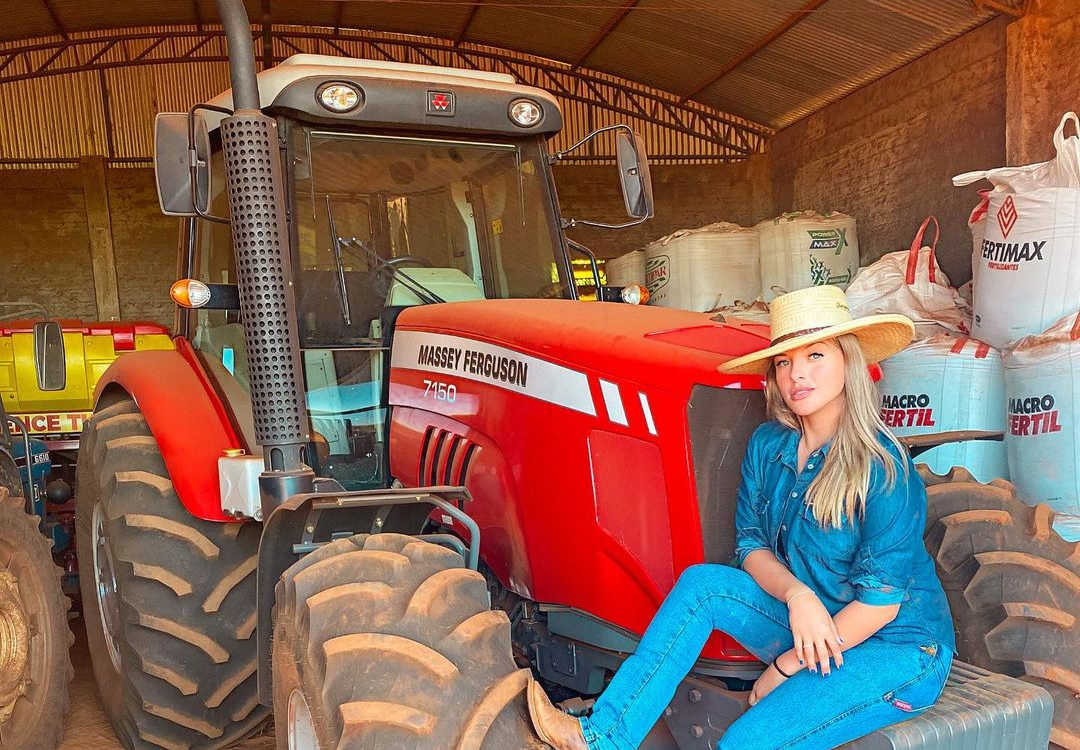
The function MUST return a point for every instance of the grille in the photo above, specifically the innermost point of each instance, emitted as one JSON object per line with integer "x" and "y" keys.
{"x": 438, "y": 456}
{"x": 721, "y": 421}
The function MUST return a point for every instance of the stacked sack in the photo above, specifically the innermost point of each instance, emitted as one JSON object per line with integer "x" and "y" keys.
{"x": 805, "y": 248}
{"x": 1026, "y": 265}
{"x": 944, "y": 381}
{"x": 699, "y": 269}
{"x": 724, "y": 265}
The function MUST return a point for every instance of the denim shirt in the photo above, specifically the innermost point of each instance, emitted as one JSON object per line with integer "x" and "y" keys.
{"x": 879, "y": 560}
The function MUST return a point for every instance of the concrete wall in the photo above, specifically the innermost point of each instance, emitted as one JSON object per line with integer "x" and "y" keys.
{"x": 885, "y": 154}
{"x": 1044, "y": 77}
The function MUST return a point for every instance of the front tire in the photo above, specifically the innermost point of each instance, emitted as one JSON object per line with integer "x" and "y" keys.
{"x": 35, "y": 665}
{"x": 385, "y": 642}
{"x": 1013, "y": 586}
{"x": 169, "y": 599}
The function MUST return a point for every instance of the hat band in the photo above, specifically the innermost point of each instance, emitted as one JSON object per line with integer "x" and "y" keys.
{"x": 794, "y": 334}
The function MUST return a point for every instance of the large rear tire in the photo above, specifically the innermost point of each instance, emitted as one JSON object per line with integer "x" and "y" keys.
{"x": 385, "y": 642}
{"x": 169, "y": 600}
{"x": 35, "y": 665}
{"x": 1013, "y": 586}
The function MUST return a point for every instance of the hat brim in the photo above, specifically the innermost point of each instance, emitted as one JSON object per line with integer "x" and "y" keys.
{"x": 880, "y": 336}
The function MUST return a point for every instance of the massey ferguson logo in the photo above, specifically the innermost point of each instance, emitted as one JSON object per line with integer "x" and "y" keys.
{"x": 1007, "y": 217}
{"x": 1033, "y": 416}
{"x": 907, "y": 410}
{"x": 656, "y": 273}
{"x": 440, "y": 103}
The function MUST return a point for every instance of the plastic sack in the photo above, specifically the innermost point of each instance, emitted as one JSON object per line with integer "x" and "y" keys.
{"x": 1025, "y": 272}
{"x": 948, "y": 384}
{"x": 1042, "y": 385}
{"x": 910, "y": 282}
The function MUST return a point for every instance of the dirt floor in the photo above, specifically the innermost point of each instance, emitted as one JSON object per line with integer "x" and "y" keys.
{"x": 87, "y": 727}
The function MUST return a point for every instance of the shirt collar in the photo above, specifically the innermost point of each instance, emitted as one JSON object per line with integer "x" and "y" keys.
{"x": 787, "y": 452}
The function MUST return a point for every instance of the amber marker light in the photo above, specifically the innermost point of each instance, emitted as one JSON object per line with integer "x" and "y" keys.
{"x": 635, "y": 294}
{"x": 190, "y": 293}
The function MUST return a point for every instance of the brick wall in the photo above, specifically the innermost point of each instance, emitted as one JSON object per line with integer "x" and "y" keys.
{"x": 46, "y": 244}
{"x": 885, "y": 154}
{"x": 686, "y": 197}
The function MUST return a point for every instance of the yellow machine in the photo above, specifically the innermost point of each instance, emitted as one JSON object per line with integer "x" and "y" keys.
{"x": 56, "y": 416}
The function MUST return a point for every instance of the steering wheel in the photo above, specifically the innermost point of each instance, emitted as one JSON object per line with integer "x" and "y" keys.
{"x": 384, "y": 277}
{"x": 403, "y": 260}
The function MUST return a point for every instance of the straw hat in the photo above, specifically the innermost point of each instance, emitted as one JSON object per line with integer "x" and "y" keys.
{"x": 817, "y": 313}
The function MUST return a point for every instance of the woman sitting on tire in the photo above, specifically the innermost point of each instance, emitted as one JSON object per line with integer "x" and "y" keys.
{"x": 835, "y": 591}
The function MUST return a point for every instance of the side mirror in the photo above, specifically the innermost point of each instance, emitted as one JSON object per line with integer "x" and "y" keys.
{"x": 634, "y": 174}
{"x": 182, "y": 163}
{"x": 49, "y": 360}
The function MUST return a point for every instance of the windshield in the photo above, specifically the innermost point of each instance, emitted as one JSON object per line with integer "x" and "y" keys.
{"x": 381, "y": 222}
{"x": 464, "y": 219}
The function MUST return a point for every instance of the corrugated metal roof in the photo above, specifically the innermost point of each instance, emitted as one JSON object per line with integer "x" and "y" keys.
{"x": 767, "y": 61}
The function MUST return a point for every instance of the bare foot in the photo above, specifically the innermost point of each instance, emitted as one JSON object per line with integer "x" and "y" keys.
{"x": 560, "y": 730}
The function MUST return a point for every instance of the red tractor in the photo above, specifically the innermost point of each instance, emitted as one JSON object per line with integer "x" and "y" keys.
{"x": 455, "y": 484}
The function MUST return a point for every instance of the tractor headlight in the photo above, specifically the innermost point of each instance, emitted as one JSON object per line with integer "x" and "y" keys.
{"x": 525, "y": 113}
{"x": 339, "y": 97}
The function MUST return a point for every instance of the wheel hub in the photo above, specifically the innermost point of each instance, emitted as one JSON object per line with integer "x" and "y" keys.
{"x": 300, "y": 727}
{"x": 105, "y": 587}
{"x": 14, "y": 646}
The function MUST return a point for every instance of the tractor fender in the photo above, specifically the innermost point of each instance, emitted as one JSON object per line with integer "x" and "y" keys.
{"x": 190, "y": 422}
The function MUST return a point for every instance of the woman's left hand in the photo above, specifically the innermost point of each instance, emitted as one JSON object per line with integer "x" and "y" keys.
{"x": 770, "y": 679}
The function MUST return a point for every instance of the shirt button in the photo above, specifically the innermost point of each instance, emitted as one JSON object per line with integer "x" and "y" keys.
{"x": 794, "y": 494}
{"x": 784, "y": 527}
{"x": 809, "y": 466}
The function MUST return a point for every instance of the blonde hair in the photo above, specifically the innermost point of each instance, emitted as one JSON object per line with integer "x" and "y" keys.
{"x": 839, "y": 490}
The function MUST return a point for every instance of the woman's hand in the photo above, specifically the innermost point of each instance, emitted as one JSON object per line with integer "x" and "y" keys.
{"x": 765, "y": 684}
{"x": 815, "y": 634}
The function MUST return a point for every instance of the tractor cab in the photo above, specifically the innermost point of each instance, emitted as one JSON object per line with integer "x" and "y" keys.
{"x": 405, "y": 185}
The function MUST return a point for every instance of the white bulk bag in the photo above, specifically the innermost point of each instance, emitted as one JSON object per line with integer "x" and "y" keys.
{"x": 1027, "y": 274}
{"x": 626, "y": 269}
{"x": 699, "y": 269}
{"x": 1042, "y": 385}
{"x": 805, "y": 248}
{"x": 948, "y": 384}
{"x": 911, "y": 283}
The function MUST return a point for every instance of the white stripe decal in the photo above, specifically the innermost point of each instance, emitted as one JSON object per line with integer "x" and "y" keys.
{"x": 494, "y": 365}
{"x": 648, "y": 412}
{"x": 613, "y": 402}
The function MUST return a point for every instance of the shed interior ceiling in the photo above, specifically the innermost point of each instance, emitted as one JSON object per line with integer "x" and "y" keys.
{"x": 771, "y": 62}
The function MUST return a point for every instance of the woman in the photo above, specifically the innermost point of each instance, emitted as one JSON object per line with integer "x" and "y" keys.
{"x": 834, "y": 591}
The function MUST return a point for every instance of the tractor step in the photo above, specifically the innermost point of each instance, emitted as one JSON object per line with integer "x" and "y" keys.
{"x": 977, "y": 709}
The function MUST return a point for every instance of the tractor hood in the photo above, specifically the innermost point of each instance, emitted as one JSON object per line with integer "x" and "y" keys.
{"x": 660, "y": 347}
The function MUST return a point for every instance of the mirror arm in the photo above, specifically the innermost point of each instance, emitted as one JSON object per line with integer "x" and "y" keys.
{"x": 193, "y": 161}
{"x": 560, "y": 155}
{"x": 570, "y": 223}
{"x": 592, "y": 260}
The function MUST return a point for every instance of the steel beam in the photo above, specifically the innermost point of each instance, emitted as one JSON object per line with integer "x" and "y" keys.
{"x": 731, "y": 137}
{"x": 604, "y": 32}
{"x": 54, "y": 18}
{"x": 790, "y": 22}
{"x": 459, "y": 37}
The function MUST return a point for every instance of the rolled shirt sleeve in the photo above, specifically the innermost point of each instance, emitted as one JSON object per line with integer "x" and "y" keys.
{"x": 891, "y": 535}
{"x": 750, "y": 531}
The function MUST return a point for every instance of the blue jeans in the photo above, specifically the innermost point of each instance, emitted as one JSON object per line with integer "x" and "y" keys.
{"x": 881, "y": 683}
